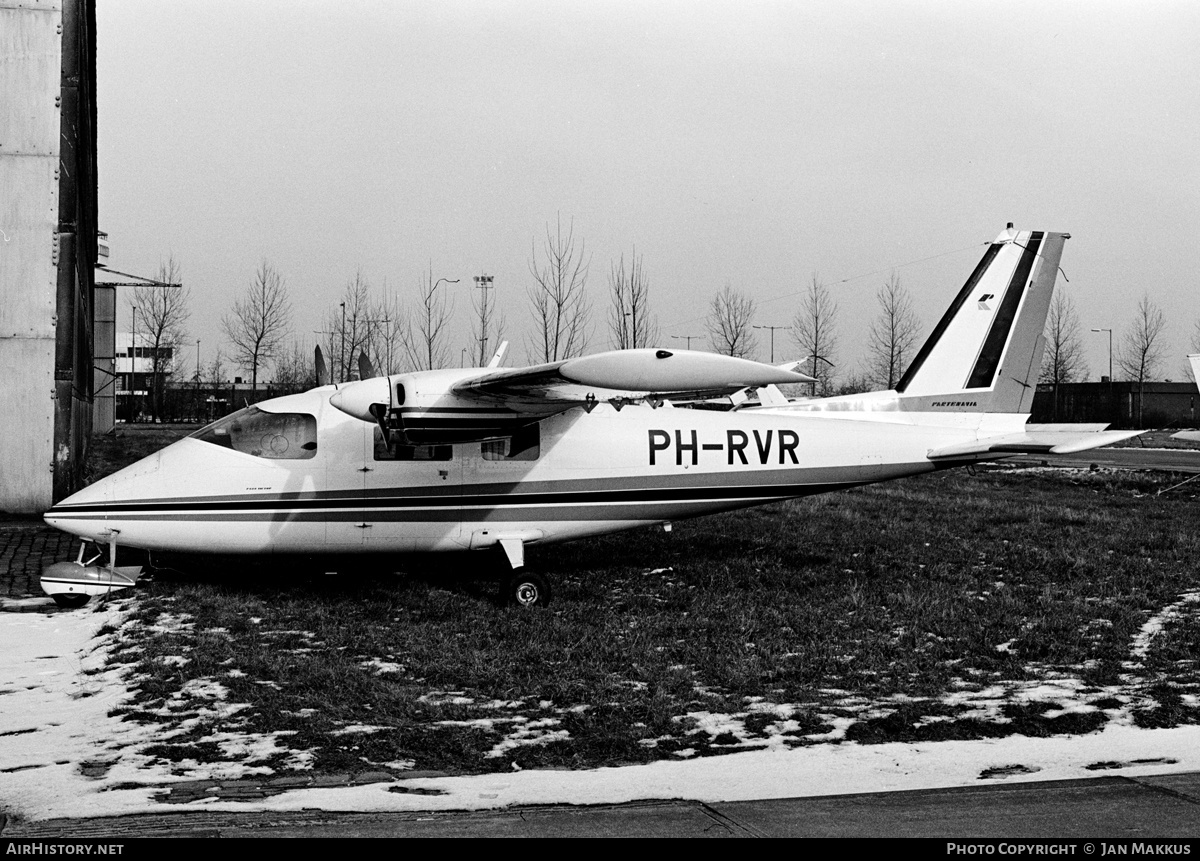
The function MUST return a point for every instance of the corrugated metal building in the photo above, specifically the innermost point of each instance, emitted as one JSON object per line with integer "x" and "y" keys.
{"x": 47, "y": 246}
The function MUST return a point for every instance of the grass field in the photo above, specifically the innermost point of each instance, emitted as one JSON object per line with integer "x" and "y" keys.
{"x": 956, "y": 605}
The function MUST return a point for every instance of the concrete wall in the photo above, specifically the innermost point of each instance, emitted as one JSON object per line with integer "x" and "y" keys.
{"x": 47, "y": 247}
{"x": 31, "y": 46}
{"x": 104, "y": 387}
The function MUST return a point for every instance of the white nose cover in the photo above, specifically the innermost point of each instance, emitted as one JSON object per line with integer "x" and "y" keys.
{"x": 355, "y": 399}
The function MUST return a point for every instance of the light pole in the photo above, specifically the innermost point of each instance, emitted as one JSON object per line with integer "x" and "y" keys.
{"x": 484, "y": 283}
{"x": 1109, "y": 352}
{"x": 133, "y": 365}
{"x": 1112, "y": 400}
{"x": 342, "y": 354}
{"x": 773, "y": 328}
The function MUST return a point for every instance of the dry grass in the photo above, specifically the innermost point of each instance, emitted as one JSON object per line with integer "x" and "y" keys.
{"x": 949, "y": 606}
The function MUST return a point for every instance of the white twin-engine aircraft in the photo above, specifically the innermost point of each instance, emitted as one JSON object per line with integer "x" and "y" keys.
{"x": 465, "y": 459}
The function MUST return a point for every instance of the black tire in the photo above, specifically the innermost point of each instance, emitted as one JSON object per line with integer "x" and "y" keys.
{"x": 70, "y": 600}
{"x": 528, "y": 589}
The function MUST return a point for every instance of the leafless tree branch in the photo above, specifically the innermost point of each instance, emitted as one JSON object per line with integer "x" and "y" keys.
{"x": 558, "y": 297}
{"x": 893, "y": 335}
{"x": 729, "y": 322}
{"x": 629, "y": 318}
{"x": 162, "y": 311}
{"x": 813, "y": 330}
{"x": 260, "y": 322}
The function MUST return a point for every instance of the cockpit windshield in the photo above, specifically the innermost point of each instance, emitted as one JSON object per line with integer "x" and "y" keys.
{"x": 276, "y": 436}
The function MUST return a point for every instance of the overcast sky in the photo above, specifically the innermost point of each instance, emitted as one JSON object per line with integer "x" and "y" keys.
{"x": 751, "y": 143}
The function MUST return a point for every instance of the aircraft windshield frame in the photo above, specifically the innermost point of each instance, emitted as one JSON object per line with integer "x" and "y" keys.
{"x": 257, "y": 432}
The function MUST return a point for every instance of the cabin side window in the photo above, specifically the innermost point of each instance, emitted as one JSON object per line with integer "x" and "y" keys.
{"x": 525, "y": 444}
{"x": 410, "y": 452}
{"x": 274, "y": 436}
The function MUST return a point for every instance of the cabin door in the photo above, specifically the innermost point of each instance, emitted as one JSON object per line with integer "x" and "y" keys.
{"x": 412, "y": 496}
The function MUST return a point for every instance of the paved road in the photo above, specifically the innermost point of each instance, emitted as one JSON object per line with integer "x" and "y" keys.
{"x": 1163, "y": 808}
{"x": 1167, "y": 459}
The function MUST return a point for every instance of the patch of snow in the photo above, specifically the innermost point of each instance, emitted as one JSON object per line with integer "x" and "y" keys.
{"x": 359, "y": 729}
{"x": 1155, "y": 624}
{"x": 527, "y": 733}
{"x": 441, "y": 698}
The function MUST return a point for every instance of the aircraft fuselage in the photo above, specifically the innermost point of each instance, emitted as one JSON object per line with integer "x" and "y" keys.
{"x": 578, "y": 474}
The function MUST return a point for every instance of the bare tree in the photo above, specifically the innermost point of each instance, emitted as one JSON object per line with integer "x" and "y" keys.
{"x": 813, "y": 331}
{"x": 348, "y": 327}
{"x": 1140, "y": 356}
{"x": 1188, "y": 373}
{"x": 215, "y": 375}
{"x": 1062, "y": 361}
{"x": 558, "y": 297}
{"x": 387, "y": 328}
{"x": 424, "y": 336}
{"x": 629, "y": 317}
{"x": 260, "y": 322}
{"x": 162, "y": 311}
{"x": 215, "y": 379}
{"x": 729, "y": 322}
{"x": 893, "y": 335}
{"x": 294, "y": 368}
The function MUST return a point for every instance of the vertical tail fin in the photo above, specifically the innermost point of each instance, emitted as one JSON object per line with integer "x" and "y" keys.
{"x": 985, "y": 353}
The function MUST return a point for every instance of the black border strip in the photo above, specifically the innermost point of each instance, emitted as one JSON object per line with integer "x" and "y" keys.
{"x": 988, "y": 362}
{"x": 927, "y": 347}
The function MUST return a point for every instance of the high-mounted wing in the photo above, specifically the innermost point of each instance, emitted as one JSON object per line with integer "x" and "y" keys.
{"x": 438, "y": 407}
{"x": 629, "y": 375}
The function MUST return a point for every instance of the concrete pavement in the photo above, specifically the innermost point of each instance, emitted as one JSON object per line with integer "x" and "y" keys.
{"x": 1159, "y": 808}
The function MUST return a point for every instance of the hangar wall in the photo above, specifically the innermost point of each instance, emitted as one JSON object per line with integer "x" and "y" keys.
{"x": 47, "y": 246}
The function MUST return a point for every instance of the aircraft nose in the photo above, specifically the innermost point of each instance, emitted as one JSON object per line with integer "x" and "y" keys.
{"x": 356, "y": 399}
{"x": 81, "y": 512}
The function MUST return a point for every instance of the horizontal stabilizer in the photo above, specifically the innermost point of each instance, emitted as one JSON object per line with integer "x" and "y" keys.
{"x": 1067, "y": 439}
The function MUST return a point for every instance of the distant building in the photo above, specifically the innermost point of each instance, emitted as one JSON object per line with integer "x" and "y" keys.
{"x": 133, "y": 368}
{"x": 48, "y": 206}
{"x": 1121, "y": 404}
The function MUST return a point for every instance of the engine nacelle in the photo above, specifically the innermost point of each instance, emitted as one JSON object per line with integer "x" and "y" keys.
{"x": 420, "y": 408}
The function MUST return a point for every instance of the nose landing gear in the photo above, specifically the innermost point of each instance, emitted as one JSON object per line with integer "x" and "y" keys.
{"x": 71, "y": 584}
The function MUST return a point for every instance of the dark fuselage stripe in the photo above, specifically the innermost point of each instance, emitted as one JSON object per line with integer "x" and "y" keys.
{"x": 651, "y": 509}
{"x": 487, "y": 500}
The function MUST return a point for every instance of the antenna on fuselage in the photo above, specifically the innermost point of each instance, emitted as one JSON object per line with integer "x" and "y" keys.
{"x": 499, "y": 357}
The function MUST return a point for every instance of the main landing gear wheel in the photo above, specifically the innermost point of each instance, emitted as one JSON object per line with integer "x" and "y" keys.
{"x": 528, "y": 589}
